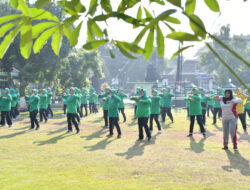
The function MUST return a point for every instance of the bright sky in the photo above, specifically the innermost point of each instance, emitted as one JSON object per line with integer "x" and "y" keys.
{"x": 233, "y": 12}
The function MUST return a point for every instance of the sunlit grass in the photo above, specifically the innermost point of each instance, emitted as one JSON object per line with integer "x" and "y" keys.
{"x": 51, "y": 159}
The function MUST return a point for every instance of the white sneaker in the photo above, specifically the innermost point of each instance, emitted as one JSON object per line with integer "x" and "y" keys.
{"x": 159, "y": 132}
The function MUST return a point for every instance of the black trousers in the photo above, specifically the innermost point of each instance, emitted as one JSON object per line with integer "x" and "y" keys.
{"x": 71, "y": 118}
{"x": 79, "y": 111}
{"x": 199, "y": 121}
{"x": 13, "y": 112}
{"x": 155, "y": 117}
{"x": 247, "y": 111}
{"x": 188, "y": 111}
{"x": 105, "y": 116}
{"x": 95, "y": 110}
{"x": 143, "y": 123}
{"x": 204, "y": 117}
{"x": 33, "y": 119}
{"x": 49, "y": 111}
{"x": 113, "y": 121}
{"x": 123, "y": 113}
{"x": 17, "y": 110}
{"x": 43, "y": 115}
{"x": 86, "y": 109}
{"x": 77, "y": 115}
{"x": 91, "y": 107}
{"x": 216, "y": 112}
{"x": 64, "y": 108}
{"x": 243, "y": 121}
{"x": 135, "y": 109}
{"x": 5, "y": 115}
{"x": 168, "y": 112}
{"x": 209, "y": 108}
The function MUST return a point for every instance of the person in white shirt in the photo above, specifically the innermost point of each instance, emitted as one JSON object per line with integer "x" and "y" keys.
{"x": 229, "y": 117}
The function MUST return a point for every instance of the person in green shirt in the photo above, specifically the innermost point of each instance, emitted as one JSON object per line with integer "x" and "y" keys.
{"x": 143, "y": 113}
{"x": 210, "y": 103}
{"x": 121, "y": 107}
{"x": 104, "y": 95}
{"x": 84, "y": 101}
{"x": 95, "y": 108}
{"x": 72, "y": 110}
{"x": 113, "y": 102}
{"x": 167, "y": 104}
{"x": 92, "y": 96}
{"x": 137, "y": 93}
{"x": 18, "y": 101}
{"x": 64, "y": 97}
{"x": 43, "y": 106}
{"x": 49, "y": 100}
{"x": 27, "y": 97}
{"x": 155, "y": 110}
{"x": 34, "y": 103}
{"x": 247, "y": 106}
{"x": 78, "y": 93}
{"x": 13, "y": 112}
{"x": 204, "y": 100}
{"x": 216, "y": 105}
{"x": 195, "y": 111}
{"x": 6, "y": 99}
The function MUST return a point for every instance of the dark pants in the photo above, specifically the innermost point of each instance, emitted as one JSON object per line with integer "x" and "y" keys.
{"x": 247, "y": 111}
{"x": 123, "y": 114}
{"x": 17, "y": 111}
{"x": 143, "y": 123}
{"x": 199, "y": 121}
{"x": 188, "y": 111}
{"x": 77, "y": 116}
{"x": 5, "y": 115}
{"x": 43, "y": 115}
{"x": 204, "y": 117}
{"x": 79, "y": 111}
{"x": 95, "y": 110}
{"x": 209, "y": 108}
{"x": 243, "y": 121}
{"x": 71, "y": 118}
{"x": 49, "y": 111}
{"x": 216, "y": 111}
{"x": 113, "y": 121}
{"x": 91, "y": 107}
{"x": 64, "y": 108}
{"x": 135, "y": 109}
{"x": 155, "y": 117}
{"x": 13, "y": 112}
{"x": 33, "y": 119}
{"x": 105, "y": 116}
{"x": 86, "y": 109}
{"x": 168, "y": 112}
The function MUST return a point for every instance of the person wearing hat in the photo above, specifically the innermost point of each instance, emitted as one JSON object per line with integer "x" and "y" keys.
{"x": 18, "y": 101}
{"x": 84, "y": 101}
{"x": 43, "y": 106}
{"x": 216, "y": 105}
{"x": 143, "y": 113}
{"x": 64, "y": 97}
{"x": 167, "y": 104}
{"x": 247, "y": 106}
{"x": 91, "y": 100}
{"x": 210, "y": 103}
{"x": 137, "y": 93}
{"x": 49, "y": 99}
{"x": 34, "y": 108}
{"x": 121, "y": 106}
{"x": 195, "y": 110}
{"x": 113, "y": 102}
{"x": 13, "y": 111}
{"x": 155, "y": 111}
{"x": 6, "y": 99}
{"x": 204, "y": 100}
{"x": 105, "y": 105}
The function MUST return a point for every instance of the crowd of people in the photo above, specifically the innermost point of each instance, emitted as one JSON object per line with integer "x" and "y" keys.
{"x": 222, "y": 104}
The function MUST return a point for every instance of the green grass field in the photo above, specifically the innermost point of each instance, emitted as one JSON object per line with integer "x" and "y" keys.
{"x": 51, "y": 159}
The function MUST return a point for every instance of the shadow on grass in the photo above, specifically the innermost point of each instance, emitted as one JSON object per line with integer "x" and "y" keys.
{"x": 237, "y": 162}
{"x": 245, "y": 137}
{"x": 133, "y": 123}
{"x": 96, "y": 134}
{"x": 138, "y": 148}
{"x": 53, "y": 140}
{"x": 166, "y": 126}
{"x": 197, "y": 147}
{"x": 13, "y": 135}
{"x": 17, "y": 129}
{"x": 97, "y": 120}
{"x": 217, "y": 127}
{"x": 61, "y": 123}
{"x": 57, "y": 131}
{"x": 100, "y": 145}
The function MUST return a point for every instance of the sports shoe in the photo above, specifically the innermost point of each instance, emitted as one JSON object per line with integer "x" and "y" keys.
{"x": 119, "y": 136}
{"x": 204, "y": 135}
{"x": 149, "y": 138}
{"x": 37, "y": 128}
{"x": 10, "y": 126}
{"x": 159, "y": 131}
{"x": 235, "y": 147}
{"x": 139, "y": 140}
{"x": 110, "y": 135}
{"x": 225, "y": 148}
{"x": 190, "y": 135}
{"x": 69, "y": 131}
{"x": 78, "y": 131}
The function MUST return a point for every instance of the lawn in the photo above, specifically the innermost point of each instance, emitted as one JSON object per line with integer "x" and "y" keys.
{"x": 51, "y": 159}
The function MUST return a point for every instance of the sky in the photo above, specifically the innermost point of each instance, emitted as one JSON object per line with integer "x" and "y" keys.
{"x": 233, "y": 12}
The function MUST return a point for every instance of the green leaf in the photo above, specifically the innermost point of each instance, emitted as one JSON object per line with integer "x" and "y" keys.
{"x": 96, "y": 29}
{"x": 139, "y": 13}
{"x": 72, "y": 7}
{"x": 197, "y": 26}
{"x": 175, "y": 2}
{"x": 43, "y": 38}
{"x": 40, "y": 27}
{"x": 148, "y": 14}
{"x": 126, "y": 4}
{"x": 90, "y": 31}
{"x": 92, "y": 7}
{"x": 57, "y": 40}
{"x": 179, "y": 51}
{"x": 161, "y": 2}
{"x": 23, "y": 7}
{"x": 111, "y": 53}
{"x": 94, "y": 44}
{"x": 131, "y": 47}
{"x": 75, "y": 34}
{"x": 14, "y": 3}
{"x": 182, "y": 36}
{"x": 5, "y": 28}
{"x": 8, "y": 18}
{"x": 149, "y": 45}
{"x": 26, "y": 40}
{"x": 8, "y": 40}
{"x": 40, "y": 14}
{"x": 105, "y": 4}
{"x": 213, "y": 5}
{"x": 41, "y": 3}
{"x": 67, "y": 30}
{"x": 124, "y": 51}
{"x": 170, "y": 27}
{"x": 152, "y": 23}
{"x": 173, "y": 20}
{"x": 160, "y": 42}
{"x": 190, "y": 6}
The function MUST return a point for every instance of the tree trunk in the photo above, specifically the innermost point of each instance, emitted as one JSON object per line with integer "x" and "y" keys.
{"x": 23, "y": 83}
